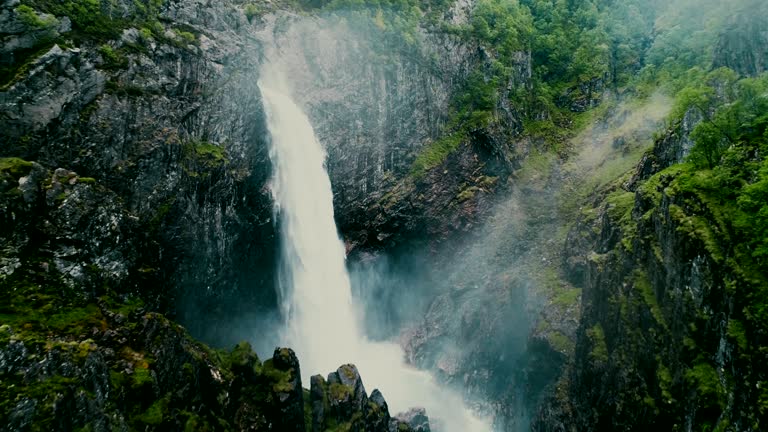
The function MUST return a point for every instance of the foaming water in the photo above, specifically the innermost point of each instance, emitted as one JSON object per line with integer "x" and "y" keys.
{"x": 322, "y": 323}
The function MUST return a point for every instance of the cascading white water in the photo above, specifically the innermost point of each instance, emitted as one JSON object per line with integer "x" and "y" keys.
{"x": 316, "y": 293}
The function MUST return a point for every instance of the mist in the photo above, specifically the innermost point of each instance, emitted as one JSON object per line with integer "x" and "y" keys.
{"x": 322, "y": 318}
{"x": 474, "y": 312}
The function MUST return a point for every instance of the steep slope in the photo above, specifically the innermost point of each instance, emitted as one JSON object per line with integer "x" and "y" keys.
{"x": 77, "y": 352}
{"x": 671, "y": 263}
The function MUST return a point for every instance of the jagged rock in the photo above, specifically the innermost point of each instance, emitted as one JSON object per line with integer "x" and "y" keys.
{"x": 346, "y": 393}
{"x": 291, "y": 396}
{"x": 318, "y": 401}
{"x": 377, "y": 417}
{"x": 416, "y": 418}
{"x": 342, "y": 401}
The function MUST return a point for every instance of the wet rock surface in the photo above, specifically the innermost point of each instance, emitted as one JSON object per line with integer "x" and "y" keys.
{"x": 656, "y": 311}
{"x": 341, "y": 401}
{"x": 149, "y": 117}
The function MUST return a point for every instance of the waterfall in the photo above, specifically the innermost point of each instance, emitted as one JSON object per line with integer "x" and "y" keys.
{"x": 322, "y": 323}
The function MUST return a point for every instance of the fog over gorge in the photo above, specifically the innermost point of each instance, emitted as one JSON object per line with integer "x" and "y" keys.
{"x": 381, "y": 216}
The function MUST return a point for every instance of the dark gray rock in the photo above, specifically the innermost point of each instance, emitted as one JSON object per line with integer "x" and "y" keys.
{"x": 318, "y": 401}
{"x": 292, "y": 398}
{"x": 416, "y": 418}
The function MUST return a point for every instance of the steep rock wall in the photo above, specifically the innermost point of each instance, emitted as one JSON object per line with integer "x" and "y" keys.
{"x": 660, "y": 343}
{"x": 152, "y": 116}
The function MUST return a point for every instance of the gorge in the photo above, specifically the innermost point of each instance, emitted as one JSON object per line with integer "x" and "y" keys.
{"x": 500, "y": 215}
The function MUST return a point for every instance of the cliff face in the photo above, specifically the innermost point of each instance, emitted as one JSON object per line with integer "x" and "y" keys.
{"x": 742, "y": 45}
{"x": 146, "y": 111}
{"x": 68, "y": 363}
{"x": 665, "y": 328}
{"x": 159, "y": 103}
{"x": 378, "y": 98}
{"x": 135, "y": 181}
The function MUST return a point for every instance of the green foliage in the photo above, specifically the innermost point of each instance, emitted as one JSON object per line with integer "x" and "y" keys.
{"x": 436, "y": 152}
{"x": 719, "y": 199}
{"x": 86, "y": 180}
{"x": 738, "y": 334}
{"x": 728, "y": 171}
{"x": 89, "y": 18}
{"x": 112, "y": 59}
{"x": 279, "y": 380}
{"x": 29, "y": 16}
{"x": 664, "y": 377}
{"x": 201, "y": 157}
{"x": 567, "y": 298}
{"x": 155, "y": 413}
{"x": 252, "y": 10}
{"x": 560, "y": 342}
{"x": 620, "y": 205}
{"x": 146, "y": 34}
{"x": 599, "y": 353}
{"x": 14, "y": 167}
{"x": 100, "y": 20}
{"x": 185, "y": 36}
{"x": 707, "y": 383}
{"x": 643, "y": 285}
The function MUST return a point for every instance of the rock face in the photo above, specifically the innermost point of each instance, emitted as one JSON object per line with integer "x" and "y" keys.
{"x": 160, "y": 105}
{"x": 660, "y": 343}
{"x": 742, "y": 46}
{"x": 376, "y": 103}
{"x": 416, "y": 418}
{"x": 341, "y": 401}
{"x": 149, "y": 117}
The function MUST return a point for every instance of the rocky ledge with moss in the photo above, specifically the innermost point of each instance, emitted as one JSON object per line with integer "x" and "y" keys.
{"x": 81, "y": 349}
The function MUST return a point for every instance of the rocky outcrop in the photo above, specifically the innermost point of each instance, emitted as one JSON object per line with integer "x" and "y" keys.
{"x": 377, "y": 102}
{"x": 142, "y": 104}
{"x": 416, "y": 418}
{"x": 663, "y": 330}
{"x": 109, "y": 366}
{"x": 742, "y": 44}
{"x": 341, "y": 402}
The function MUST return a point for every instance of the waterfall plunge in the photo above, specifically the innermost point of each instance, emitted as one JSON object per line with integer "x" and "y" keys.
{"x": 316, "y": 294}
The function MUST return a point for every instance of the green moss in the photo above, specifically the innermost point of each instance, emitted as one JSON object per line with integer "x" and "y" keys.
{"x": 738, "y": 334}
{"x": 664, "y": 377}
{"x": 307, "y": 409}
{"x": 599, "y": 352}
{"x": 436, "y": 152}
{"x": 643, "y": 285}
{"x": 567, "y": 298}
{"x": 89, "y": 18}
{"x": 33, "y": 310}
{"x": 707, "y": 384}
{"x": 113, "y": 59}
{"x": 14, "y": 167}
{"x": 536, "y": 166}
{"x": 252, "y": 11}
{"x": 243, "y": 356}
{"x": 348, "y": 372}
{"x": 29, "y": 16}
{"x": 280, "y": 380}
{"x": 620, "y": 205}
{"x": 141, "y": 376}
{"x": 86, "y": 180}
{"x": 185, "y": 36}
{"x": 546, "y": 130}
{"x": 467, "y": 194}
{"x": 560, "y": 342}
{"x": 202, "y": 156}
{"x": 155, "y": 414}
{"x": 339, "y": 392}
